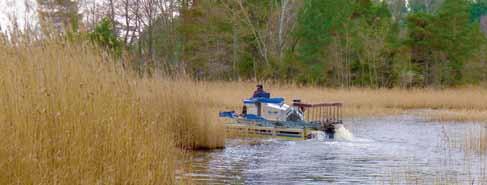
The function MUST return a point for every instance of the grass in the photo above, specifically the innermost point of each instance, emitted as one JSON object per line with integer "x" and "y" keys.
{"x": 70, "y": 115}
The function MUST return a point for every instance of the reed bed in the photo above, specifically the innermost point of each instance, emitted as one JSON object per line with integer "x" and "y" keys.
{"x": 447, "y": 105}
{"x": 475, "y": 141}
{"x": 70, "y": 115}
{"x": 453, "y": 115}
{"x": 459, "y": 104}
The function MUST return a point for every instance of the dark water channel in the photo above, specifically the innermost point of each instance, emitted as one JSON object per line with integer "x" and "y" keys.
{"x": 392, "y": 150}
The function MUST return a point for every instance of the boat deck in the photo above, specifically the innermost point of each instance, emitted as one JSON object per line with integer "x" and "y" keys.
{"x": 258, "y": 131}
{"x": 317, "y": 117}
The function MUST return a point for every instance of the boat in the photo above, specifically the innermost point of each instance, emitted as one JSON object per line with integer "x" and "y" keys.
{"x": 272, "y": 117}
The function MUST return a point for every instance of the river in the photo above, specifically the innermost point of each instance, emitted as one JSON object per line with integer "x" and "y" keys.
{"x": 388, "y": 150}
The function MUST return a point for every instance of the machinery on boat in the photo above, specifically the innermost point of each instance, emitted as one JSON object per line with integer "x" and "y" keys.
{"x": 268, "y": 116}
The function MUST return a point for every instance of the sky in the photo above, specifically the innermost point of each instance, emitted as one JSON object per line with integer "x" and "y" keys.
{"x": 18, "y": 8}
{"x": 15, "y": 7}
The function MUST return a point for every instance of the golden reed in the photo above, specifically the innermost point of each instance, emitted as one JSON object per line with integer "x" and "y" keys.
{"x": 458, "y": 104}
{"x": 69, "y": 114}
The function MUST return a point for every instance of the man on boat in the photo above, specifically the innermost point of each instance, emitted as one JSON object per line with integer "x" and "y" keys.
{"x": 260, "y": 93}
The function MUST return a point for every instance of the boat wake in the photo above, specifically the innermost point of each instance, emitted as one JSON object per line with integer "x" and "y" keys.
{"x": 341, "y": 133}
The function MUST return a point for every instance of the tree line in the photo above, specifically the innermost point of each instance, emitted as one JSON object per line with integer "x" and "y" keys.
{"x": 365, "y": 43}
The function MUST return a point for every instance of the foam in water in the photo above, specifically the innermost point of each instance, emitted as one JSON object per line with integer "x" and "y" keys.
{"x": 319, "y": 135}
{"x": 341, "y": 133}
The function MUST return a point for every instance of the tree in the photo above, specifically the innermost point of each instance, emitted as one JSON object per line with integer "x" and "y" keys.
{"x": 373, "y": 66}
{"x": 60, "y": 15}
{"x": 425, "y": 6}
{"x": 420, "y": 36}
{"x": 454, "y": 33}
{"x": 104, "y": 36}
{"x": 369, "y": 43}
{"x": 318, "y": 21}
{"x": 206, "y": 32}
{"x": 398, "y": 9}
{"x": 478, "y": 10}
{"x": 441, "y": 43}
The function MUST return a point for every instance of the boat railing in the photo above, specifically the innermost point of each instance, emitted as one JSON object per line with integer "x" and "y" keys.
{"x": 327, "y": 113}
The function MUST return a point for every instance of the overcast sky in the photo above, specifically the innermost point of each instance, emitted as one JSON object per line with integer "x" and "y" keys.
{"x": 15, "y": 7}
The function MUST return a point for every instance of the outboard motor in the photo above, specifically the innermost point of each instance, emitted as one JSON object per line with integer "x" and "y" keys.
{"x": 272, "y": 117}
{"x": 295, "y": 113}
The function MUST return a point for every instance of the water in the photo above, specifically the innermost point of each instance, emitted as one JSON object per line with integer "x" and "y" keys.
{"x": 393, "y": 150}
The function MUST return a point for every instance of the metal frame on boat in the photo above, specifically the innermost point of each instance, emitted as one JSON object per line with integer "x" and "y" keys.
{"x": 270, "y": 117}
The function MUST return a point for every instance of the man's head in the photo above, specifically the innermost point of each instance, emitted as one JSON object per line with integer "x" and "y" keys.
{"x": 260, "y": 87}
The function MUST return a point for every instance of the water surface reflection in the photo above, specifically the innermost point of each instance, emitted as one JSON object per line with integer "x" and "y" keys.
{"x": 397, "y": 150}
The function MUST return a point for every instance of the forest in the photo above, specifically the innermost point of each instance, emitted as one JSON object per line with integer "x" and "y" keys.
{"x": 347, "y": 43}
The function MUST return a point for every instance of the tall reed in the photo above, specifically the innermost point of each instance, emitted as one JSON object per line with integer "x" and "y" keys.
{"x": 467, "y": 103}
{"x": 70, "y": 115}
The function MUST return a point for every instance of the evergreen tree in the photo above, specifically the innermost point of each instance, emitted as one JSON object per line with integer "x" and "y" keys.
{"x": 424, "y": 6}
{"x": 104, "y": 36}
{"x": 368, "y": 43}
{"x": 205, "y": 33}
{"x": 441, "y": 43}
{"x": 420, "y": 37}
{"x": 477, "y": 10}
{"x": 454, "y": 38}
{"x": 318, "y": 21}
